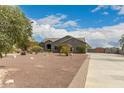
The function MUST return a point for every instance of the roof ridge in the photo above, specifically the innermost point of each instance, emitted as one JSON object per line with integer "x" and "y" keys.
{"x": 65, "y": 38}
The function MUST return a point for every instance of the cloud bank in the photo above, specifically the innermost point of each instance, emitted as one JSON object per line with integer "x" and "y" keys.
{"x": 118, "y": 8}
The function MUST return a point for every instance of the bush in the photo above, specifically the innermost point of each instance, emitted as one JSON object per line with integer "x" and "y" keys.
{"x": 81, "y": 49}
{"x": 36, "y": 49}
{"x": 13, "y": 49}
{"x": 65, "y": 48}
{"x": 49, "y": 50}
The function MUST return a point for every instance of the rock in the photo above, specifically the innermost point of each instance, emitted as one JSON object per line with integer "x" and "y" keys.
{"x": 71, "y": 54}
{"x": 14, "y": 56}
{"x": 3, "y": 73}
{"x": 40, "y": 66}
{"x": 31, "y": 58}
{"x": 10, "y": 81}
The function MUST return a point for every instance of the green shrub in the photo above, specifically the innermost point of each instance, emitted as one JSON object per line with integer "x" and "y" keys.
{"x": 36, "y": 49}
{"x": 49, "y": 50}
{"x": 81, "y": 49}
{"x": 13, "y": 49}
{"x": 65, "y": 48}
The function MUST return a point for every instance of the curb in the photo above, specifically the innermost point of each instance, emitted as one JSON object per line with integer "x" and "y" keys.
{"x": 80, "y": 78}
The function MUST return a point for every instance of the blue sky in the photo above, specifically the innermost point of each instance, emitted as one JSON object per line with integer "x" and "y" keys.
{"x": 82, "y": 14}
{"x": 79, "y": 21}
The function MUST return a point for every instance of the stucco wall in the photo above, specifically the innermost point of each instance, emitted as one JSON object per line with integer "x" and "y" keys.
{"x": 73, "y": 42}
{"x": 45, "y": 45}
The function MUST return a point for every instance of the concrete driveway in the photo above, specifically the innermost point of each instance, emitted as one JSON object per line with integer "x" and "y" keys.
{"x": 105, "y": 71}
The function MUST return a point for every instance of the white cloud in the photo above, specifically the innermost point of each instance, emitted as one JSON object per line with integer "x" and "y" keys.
{"x": 52, "y": 19}
{"x": 98, "y": 8}
{"x": 121, "y": 12}
{"x": 105, "y": 13}
{"x": 116, "y": 19}
{"x": 116, "y": 7}
{"x": 70, "y": 23}
{"x": 107, "y": 36}
{"x": 119, "y": 8}
{"x": 57, "y": 21}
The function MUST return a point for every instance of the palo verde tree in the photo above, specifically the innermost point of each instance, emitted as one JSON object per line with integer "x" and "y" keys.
{"x": 14, "y": 27}
{"x": 5, "y": 44}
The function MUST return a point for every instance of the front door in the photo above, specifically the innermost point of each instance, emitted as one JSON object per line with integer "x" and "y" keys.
{"x": 48, "y": 46}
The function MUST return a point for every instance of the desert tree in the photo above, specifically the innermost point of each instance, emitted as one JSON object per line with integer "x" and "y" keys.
{"x": 14, "y": 27}
{"x": 122, "y": 42}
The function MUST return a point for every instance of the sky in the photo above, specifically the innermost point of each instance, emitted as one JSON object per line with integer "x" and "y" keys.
{"x": 102, "y": 26}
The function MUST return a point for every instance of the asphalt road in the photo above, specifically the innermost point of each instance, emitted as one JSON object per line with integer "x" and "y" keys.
{"x": 105, "y": 71}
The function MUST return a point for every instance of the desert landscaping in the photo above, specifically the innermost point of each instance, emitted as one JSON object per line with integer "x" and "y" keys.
{"x": 41, "y": 70}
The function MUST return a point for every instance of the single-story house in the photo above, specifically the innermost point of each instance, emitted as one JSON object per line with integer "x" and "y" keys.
{"x": 52, "y": 44}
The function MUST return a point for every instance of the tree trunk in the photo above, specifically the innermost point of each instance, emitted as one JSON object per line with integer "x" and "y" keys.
{"x": 1, "y": 56}
{"x": 5, "y": 54}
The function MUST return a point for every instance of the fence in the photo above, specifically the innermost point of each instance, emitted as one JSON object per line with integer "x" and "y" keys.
{"x": 96, "y": 50}
{"x": 107, "y": 50}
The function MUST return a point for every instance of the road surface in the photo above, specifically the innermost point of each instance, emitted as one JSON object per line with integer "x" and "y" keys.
{"x": 105, "y": 71}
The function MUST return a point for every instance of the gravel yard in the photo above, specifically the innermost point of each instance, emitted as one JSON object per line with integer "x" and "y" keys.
{"x": 43, "y": 70}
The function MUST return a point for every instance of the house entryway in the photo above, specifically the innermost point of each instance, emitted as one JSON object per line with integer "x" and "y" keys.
{"x": 48, "y": 46}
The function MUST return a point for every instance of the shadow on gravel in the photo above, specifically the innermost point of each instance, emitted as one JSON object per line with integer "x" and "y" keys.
{"x": 1, "y": 67}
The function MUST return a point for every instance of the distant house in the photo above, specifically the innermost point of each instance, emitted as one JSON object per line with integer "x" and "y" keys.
{"x": 52, "y": 44}
{"x": 96, "y": 50}
{"x": 100, "y": 50}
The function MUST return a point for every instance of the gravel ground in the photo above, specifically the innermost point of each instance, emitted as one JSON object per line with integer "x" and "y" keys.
{"x": 45, "y": 70}
{"x": 3, "y": 73}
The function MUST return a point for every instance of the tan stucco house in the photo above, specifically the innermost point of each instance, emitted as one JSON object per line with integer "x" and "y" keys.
{"x": 52, "y": 44}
